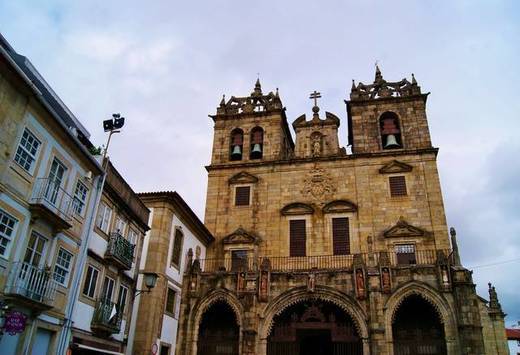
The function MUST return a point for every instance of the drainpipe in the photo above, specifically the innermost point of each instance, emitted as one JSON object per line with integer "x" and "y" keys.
{"x": 66, "y": 333}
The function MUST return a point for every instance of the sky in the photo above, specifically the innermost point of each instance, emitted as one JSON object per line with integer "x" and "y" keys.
{"x": 164, "y": 65}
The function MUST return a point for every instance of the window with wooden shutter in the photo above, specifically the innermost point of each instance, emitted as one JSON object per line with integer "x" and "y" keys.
{"x": 405, "y": 254}
{"x": 340, "y": 236}
{"x": 297, "y": 237}
{"x": 397, "y": 186}
{"x": 177, "y": 247}
{"x": 242, "y": 195}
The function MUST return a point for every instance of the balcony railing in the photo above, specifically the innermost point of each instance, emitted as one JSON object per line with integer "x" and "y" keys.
{"x": 319, "y": 262}
{"x": 107, "y": 317}
{"x": 51, "y": 201}
{"x": 31, "y": 284}
{"x": 120, "y": 250}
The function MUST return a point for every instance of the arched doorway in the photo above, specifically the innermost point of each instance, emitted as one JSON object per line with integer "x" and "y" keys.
{"x": 314, "y": 327}
{"x": 218, "y": 331}
{"x": 417, "y": 328}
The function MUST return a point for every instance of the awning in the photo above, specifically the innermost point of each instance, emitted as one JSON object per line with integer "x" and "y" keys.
{"x": 103, "y": 351}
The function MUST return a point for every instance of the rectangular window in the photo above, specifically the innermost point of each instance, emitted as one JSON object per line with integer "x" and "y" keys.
{"x": 80, "y": 198}
{"x": 62, "y": 266}
{"x": 297, "y": 237}
{"x": 405, "y": 254}
{"x": 170, "y": 301}
{"x": 397, "y": 186}
{"x": 165, "y": 350}
{"x": 177, "y": 247}
{"x": 108, "y": 289}
{"x": 36, "y": 250}
{"x": 89, "y": 288}
{"x": 120, "y": 226}
{"x": 121, "y": 300}
{"x": 242, "y": 195}
{"x": 238, "y": 260}
{"x": 7, "y": 231}
{"x": 132, "y": 237}
{"x": 103, "y": 217}
{"x": 340, "y": 236}
{"x": 26, "y": 152}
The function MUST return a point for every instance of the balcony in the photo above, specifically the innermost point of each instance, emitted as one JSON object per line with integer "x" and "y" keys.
{"x": 320, "y": 262}
{"x": 107, "y": 318}
{"x": 120, "y": 251}
{"x": 52, "y": 203}
{"x": 31, "y": 286}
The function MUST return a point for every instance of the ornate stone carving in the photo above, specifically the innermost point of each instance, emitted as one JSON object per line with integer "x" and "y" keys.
{"x": 243, "y": 178}
{"x": 296, "y": 208}
{"x": 359, "y": 276}
{"x": 264, "y": 280}
{"x": 403, "y": 229}
{"x": 311, "y": 281}
{"x": 240, "y": 236}
{"x": 318, "y": 184}
{"x": 395, "y": 167}
{"x": 386, "y": 283}
{"x": 339, "y": 206}
{"x": 381, "y": 88}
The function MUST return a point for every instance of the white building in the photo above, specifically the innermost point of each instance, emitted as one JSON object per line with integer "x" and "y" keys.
{"x": 175, "y": 233}
{"x": 49, "y": 187}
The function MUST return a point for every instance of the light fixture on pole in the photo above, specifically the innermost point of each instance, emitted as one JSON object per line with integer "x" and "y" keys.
{"x": 113, "y": 126}
{"x": 150, "y": 279}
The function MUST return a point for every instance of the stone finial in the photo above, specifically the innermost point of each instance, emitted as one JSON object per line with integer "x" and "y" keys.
{"x": 455, "y": 247}
{"x": 353, "y": 88}
{"x": 223, "y": 101}
{"x": 493, "y": 298}
{"x": 378, "y": 76}
{"x": 277, "y": 95}
{"x": 258, "y": 87}
{"x": 414, "y": 82}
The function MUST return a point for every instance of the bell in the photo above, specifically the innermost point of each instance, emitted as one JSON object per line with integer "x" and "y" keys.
{"x": 237, "y": 151}
{"x": 256, "y": 148}
{"x": 391, "y": 142}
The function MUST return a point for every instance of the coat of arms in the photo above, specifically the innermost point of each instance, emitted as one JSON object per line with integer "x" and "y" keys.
{"x": 317, "y": 184}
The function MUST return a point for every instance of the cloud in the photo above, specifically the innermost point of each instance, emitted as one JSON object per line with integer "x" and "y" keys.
{"x": 165, "y": 65}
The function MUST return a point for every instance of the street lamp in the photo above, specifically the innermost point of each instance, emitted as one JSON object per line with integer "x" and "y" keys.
{"x": 113, "y": 126}
{"x": 150, "y": 279}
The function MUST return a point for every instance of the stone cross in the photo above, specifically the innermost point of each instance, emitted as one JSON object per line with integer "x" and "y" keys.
{"x": 315, "y": 95}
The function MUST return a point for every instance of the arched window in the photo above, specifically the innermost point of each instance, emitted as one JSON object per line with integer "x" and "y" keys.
{"x": 257, "y": 143}
{"x": 237, "y": 144}
{"x": 390, "y": 131}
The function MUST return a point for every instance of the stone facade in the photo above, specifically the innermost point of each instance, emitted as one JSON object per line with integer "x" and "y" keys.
{"x": 398, "y": 249}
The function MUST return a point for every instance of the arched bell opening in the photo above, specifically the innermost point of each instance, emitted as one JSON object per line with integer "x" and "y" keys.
{"x": 218, "y": 331}
{"x": 390, "y": 129}
{"x": 417, "y": 328}
{"x": 314, "y": 327}
{"x": 236, "y": 148}
{"x": 257, "y": 143}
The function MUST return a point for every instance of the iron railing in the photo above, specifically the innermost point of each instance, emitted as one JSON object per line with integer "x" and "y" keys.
{"x": 49, "y": 193}
{"x": 120, "y": 249}
{"x": 107, "y": 316}
{"x": 32, "y": 283}
{"x": 319, "y": 262}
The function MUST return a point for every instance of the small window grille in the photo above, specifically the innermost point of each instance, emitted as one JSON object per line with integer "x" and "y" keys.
{"x": 405, "y": 254}
{"x": 242, "y": 195}
{"x": 397, "y": 186}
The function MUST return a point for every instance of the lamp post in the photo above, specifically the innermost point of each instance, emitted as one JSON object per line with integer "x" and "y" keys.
{"x": 113, "y": 126}
{"x": 150, "y": 280}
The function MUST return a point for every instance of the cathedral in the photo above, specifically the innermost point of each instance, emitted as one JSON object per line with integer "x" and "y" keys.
{"x": 320, "y": 249}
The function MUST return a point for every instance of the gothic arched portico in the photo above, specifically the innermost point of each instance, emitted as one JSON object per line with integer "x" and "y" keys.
{"x": 205, "y": 304}
{"x": 439, "y": 304}
{"x": 321, "y": 293}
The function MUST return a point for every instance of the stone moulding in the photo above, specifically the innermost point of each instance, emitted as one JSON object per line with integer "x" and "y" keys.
{"x": 340, "y": 206}
{"x": 243, "y": 178}
{"x": 395, "y": 167}
{"x": 297, "y": 208}
{"x": 241, "y": 236}
{"x": 403, "y": 229}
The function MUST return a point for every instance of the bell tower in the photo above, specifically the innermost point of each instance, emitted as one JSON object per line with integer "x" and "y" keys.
{"x": 385, "y": 116}
{"x": 251, "y": 129}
